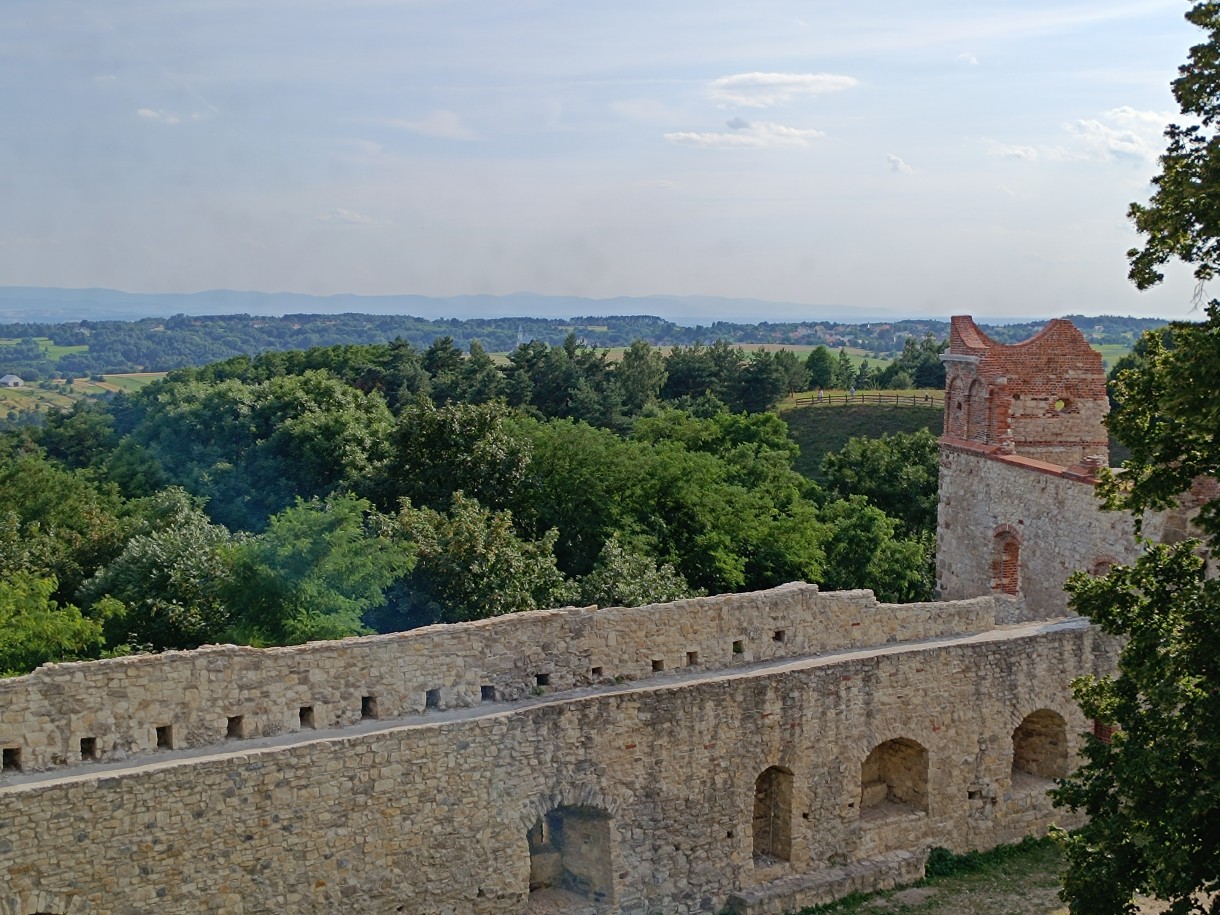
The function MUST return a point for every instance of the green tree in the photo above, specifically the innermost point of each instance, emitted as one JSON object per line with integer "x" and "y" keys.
{"x": 438, "y": 450}
{"x": 626, "y": 577}
{"x": 473, "y": 565}
{"x": 821, "y": 367}
{"x": 796, "y": 376}
{"x": 863, "y": 550}
{"x": 1182, "y": 220}
{"x": 311, "y": 574}
{"x": 844, "y": 372}
{"x": 762, "y": 382}
{"x": 35, "y": 630}
{"x": 898, "y": 473}
{"x": 167, "y": 578}
{"x": 640, "y": 375}
{"x": 1152, "y": 795}
{"x": 59, "y": 524}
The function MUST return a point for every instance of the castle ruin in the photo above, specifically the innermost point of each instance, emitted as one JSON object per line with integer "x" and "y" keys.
{"x": 751, "y": 752}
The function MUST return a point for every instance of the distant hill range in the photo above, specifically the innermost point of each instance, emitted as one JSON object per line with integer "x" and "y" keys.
{"x": 81, "y": 332}
{"x": 38, "y": 304}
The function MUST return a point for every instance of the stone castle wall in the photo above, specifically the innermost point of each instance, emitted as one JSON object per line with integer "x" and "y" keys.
{"x": 661, "y": 778}
{"x": 1050, "y": 512}
{"x": 115, "y": 709}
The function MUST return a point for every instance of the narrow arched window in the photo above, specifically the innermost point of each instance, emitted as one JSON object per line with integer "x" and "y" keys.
{"x": 1006, "y": 563}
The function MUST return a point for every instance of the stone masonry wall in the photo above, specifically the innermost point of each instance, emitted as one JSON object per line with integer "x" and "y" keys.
{"x": 430, "y": 815}
{"x": 115, "y": 709}
{"x": 1052, "y": 512}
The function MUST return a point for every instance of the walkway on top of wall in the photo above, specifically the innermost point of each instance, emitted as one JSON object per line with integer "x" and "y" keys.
{"x": 681, "y": 677}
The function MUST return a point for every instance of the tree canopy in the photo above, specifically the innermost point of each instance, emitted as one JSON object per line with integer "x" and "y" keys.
{"x": 1152, "y": 794}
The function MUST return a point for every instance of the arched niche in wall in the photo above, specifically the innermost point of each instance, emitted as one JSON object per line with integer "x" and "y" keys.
{"x": 977, "y": 412}
{"x": 894, "y": 779}
{"x": 569, "y": 851}
{"x": 772, "y": 825}
{"x": 1006, "y": 561}
{"x": 1039, "y": 747}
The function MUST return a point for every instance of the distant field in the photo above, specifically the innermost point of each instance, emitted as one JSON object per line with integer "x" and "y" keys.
{"x": 1111, "y": 353}
{"x": 131, "y": 382}
{"x": 36, "y": 396}
{"x": 33, "y": 398}
{"x": 52, "y": 351}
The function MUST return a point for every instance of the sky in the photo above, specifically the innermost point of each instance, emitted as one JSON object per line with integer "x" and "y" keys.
{"x": 927, "y": 158}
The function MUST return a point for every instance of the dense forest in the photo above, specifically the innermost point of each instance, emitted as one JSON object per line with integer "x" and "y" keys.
{"x": 161, "y": 344}
{"x": 340, "y": 490}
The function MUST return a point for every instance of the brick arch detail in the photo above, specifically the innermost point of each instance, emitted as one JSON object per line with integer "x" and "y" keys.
{"x": 1008, "y": 529}
{"x": 1104, "y": 559}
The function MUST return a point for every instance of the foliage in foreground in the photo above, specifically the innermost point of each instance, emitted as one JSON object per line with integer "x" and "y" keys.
{"x": 1153, "y": 794}
{"x": 327, "y": 493}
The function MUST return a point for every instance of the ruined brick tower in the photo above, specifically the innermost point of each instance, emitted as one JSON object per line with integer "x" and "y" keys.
{"x": 1023, "y": 441}
{"x": 1044, "y": 398}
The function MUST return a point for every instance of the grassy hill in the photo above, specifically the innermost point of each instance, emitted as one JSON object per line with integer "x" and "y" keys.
{"x": 820, "y": 430}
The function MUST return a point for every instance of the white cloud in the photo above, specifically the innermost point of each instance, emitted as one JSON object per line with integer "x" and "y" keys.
{"x": 444, "y": 125}
{"x": 105, "y": 78}
{"x": 748, "y": 134}
{"x": 967, "y": 57}
{"x": 159, "y": 115}
{"x": 763, "y": 90}
{"x": 1122, "y": 133}
{"x": 898, "y": 165}
{"x": 344, "y": 217}
{"x": 1012, "y": 150}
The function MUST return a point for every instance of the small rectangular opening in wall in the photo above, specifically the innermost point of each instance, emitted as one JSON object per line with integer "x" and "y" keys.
{"x": 739, "y": 647}
{"x": 487, "y": 693}
{"x": 305, "y": 716}
{"x": 368, "y": 707}
{"x": 542, "y": 679}
{"x": 658, "y": 664}
{"x": 236, "y": 728}
{"x": 779, "y": 635}
{"x": 165, "y": 737}
{"x": 692, "y": 658}
{"x": 432, "y": 698}
{"x": 88, "y": 748}
{"x": 597, "y": 672}
{"x": 11, "y": 760}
